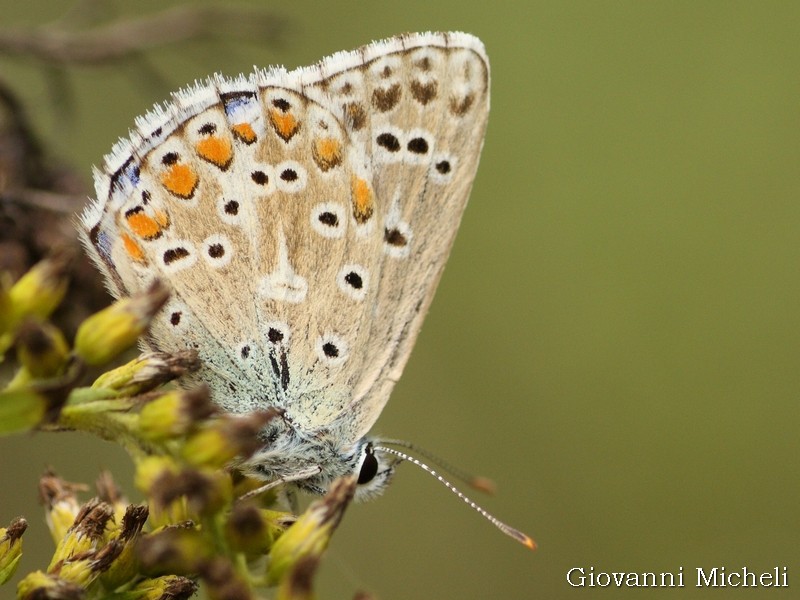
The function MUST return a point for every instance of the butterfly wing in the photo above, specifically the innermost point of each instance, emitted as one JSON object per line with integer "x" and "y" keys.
{"x": 301, "y": 219}
{"x": 418, "y": 105}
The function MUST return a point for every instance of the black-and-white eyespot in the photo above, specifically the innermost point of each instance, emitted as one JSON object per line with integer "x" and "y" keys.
{"x": 176, "y": 316}
{"x": 329, "y": 219}
{"x": 262, "y": 179}
{"x": 229, "y": 210}
{"x": 177, "y": 254}
{"x": 277, "y": 334}
{"x": 332, "y": 349}
{"x": 389, "y": 144}
{"x": 217, "y": 250}
{"x": 259, "y": 177}
{"x": 419, "y": 146}
{"x": 291, "y": 176}
{"x": 353, "y": 281}
{"x": 442, "y": 167}
{"x": 397, "y": 239}
{"x": 388, "y": 141}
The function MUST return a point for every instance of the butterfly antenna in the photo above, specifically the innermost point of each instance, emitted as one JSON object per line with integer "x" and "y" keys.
{"x": 476, "y": 482}
{"x": 507, "y": 529}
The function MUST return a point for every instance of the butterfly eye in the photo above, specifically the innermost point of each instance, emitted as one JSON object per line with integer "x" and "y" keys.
{"x": 369, "y": 468}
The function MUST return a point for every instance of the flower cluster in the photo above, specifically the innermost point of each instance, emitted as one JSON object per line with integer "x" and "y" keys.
{"x": 203, "y": 522}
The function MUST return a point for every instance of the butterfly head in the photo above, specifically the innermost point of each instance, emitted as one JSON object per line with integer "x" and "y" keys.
{"x": 374, "y": 469}
{"x": 313, "y": 465}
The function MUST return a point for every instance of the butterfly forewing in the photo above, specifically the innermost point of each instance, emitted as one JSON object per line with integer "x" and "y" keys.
{"x": 420, "y": 113}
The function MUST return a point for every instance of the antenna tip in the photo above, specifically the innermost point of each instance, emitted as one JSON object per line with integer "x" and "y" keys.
{"x": 529, "y": 543}
{"x": 483, "y": 484}
{"x": 518, "y": 535}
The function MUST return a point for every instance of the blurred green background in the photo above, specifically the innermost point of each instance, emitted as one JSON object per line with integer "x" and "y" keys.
{"x": 615, "y": 340}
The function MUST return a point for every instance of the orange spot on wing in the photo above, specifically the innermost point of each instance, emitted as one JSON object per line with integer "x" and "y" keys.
{"x": 363, "y": 200}
{"x": 180, "y": 180}
{"x": 133, "y": 249}
{"x": 284, "y": 123}
{"x": 162, "y": 219}
{"x": 327, "y": 153}
{"x": 244, "y": 131}
{"x": 216, "y": 150}
{"x": 144, "y": 226}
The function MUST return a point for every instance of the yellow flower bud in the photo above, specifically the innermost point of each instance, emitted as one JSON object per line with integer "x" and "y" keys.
{"x": 222, "y": 581}
{"x": 252, "y": 530}
{"x": 38, "y": 585}
{"x": 83, "y": 569}
{"x": 40, "y": 290}
{"x": 109, "y": 332}
{"x": 86, "y": 534}
{"x": 169, "y": 587}
{"x": 174, "y": 413}
{"x": 147, "y": 372}
{"x": 41, "y": 349}
{"x": 153, "y": 474}
{"x": 310, "y": 535}
{"x": 150, "y": 469}
{"x": 11, "y": 547}
{"x": 225, "y": 438}
{"x": 125, "y": 566}
{"x": 62, "y": 505}
{"x": 209, "y": 447}
{"x": 109, "y": 492}
{"x": 296, "y": 584}
{"x": 173, "y": 551}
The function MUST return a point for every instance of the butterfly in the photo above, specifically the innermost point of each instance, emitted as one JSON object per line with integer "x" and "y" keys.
{"x": 302, "y": 220}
